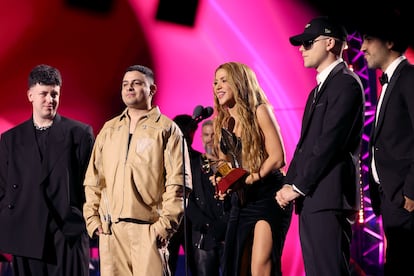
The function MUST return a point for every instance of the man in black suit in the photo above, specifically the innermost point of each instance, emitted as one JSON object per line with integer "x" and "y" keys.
{"x": 182, "y": 238}
{"x": 323, "y": 176}
{"x": 392, "y": 141}
{"x": 42, "y": 165}
{"x": 207, "y": 215}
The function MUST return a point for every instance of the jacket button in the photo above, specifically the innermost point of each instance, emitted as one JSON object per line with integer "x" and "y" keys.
{"x": 10, "y": 206}
{"x": 15, "y": 186}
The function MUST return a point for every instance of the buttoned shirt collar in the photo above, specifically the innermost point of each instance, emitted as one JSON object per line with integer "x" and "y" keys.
{"x": 391, "y": 68}
{"x": 154, "y": 114}
{"x": 321, "y": 77}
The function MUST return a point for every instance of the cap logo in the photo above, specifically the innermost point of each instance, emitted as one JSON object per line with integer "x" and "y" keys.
{"x": 327, "y": 31}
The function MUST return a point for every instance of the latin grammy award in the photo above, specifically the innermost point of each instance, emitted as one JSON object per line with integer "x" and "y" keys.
{"x": 232, "y": 177}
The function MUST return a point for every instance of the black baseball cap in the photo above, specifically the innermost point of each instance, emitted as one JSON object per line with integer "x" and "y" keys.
{"x": 322, "y": 25}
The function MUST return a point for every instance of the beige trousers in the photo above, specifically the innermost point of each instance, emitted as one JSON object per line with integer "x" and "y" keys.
{"x": 130, "y": 250}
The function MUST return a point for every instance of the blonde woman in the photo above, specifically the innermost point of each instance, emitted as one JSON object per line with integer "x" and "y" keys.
{"x": 258, "y": 225}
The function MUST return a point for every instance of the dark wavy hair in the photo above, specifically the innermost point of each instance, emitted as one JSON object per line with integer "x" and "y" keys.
{"x": 144, "y": 70}
{"x": 45, "y": 75}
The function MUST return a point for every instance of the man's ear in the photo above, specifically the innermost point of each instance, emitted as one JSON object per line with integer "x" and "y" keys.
{"x": 390, "y": 44}
{"x": 29, "y": 95}
{"x": 153, "y": 89}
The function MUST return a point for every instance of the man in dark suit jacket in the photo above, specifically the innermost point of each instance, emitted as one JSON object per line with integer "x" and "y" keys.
{"x": 323, "y": 176}
{"x": 392, "y": 141}
{"x": 206, "y": 215}
{"x": 42, "y": 165}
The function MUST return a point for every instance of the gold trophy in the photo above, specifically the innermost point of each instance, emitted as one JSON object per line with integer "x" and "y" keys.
{"x": 231, "y": 177}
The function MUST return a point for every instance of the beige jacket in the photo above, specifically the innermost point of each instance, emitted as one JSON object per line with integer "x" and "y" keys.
{"x": 144, "y": 181}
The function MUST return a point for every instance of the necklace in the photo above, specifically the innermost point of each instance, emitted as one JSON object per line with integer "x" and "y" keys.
{"x": 41, "y": 128}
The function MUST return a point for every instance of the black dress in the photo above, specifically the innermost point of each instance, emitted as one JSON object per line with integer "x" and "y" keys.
{"x": 259, "y": 204}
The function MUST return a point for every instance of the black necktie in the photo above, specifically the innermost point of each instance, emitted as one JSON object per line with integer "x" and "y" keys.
{"x": 315, "y": 93}
{"x": 383, "y": 79}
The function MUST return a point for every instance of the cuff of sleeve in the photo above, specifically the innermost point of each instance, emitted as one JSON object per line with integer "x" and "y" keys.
{"x": 92, "y": 225}
{"x": 295, "y": 189}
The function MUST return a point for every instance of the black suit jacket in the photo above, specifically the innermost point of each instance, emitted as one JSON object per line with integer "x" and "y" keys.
{"x": 33, "y": 191}
{"x": 393, "y": 140}
{"x": 325, "y": 165}
{"x": 207, "y": 214}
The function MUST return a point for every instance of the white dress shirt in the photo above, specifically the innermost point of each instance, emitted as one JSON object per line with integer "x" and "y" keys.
{"x": 389, "y": 71}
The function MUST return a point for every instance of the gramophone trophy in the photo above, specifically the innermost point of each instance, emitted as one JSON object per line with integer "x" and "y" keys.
{"x": 231, "y": 177}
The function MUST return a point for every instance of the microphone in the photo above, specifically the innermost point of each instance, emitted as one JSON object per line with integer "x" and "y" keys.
{"x": 198, "y": 110}
{"x": 200, "y": 113}
{"x": 207, "y": 112}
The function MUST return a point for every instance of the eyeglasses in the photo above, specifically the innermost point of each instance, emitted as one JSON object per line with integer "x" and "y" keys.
{"x": 309, "y": 43}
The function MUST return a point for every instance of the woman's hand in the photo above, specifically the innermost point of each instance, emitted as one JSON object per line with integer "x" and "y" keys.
{"x": 251, "y": 178}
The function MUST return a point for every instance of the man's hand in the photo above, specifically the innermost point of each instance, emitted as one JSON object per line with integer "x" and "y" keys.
{"x": 161, "y": 242}
{"x": 408, "y": 204}
{"x": 98, "y": 231}
{"x": 214, "y": 179}
{"x": 285, "y": 195}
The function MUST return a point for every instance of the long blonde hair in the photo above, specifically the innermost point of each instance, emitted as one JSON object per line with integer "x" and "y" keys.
{"x": 248, "y": 95}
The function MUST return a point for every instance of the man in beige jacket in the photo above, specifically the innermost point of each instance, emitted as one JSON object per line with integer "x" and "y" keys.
{"x": 134, "y": 182}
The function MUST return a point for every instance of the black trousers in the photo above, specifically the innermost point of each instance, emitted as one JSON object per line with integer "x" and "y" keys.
{"x": 398, "y": 226}
{"x": 208, "y": 262}
{"x": 61, "y": 257}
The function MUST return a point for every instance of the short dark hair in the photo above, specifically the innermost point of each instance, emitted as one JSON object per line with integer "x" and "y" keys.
{"x": 186, "y": 122}
{"x": 187, "y": 125}
{"x": 143, "y": 69}
{"x": 45, "y": 75}
{"x": 393, "y": 29}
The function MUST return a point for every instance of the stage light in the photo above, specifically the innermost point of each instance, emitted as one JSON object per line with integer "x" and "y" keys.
{"x": 179, "y": 11}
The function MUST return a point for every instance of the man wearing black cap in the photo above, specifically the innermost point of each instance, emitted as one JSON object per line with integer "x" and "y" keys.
{"x": 392, "y": 143}
{"x": 323, "y": 176}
